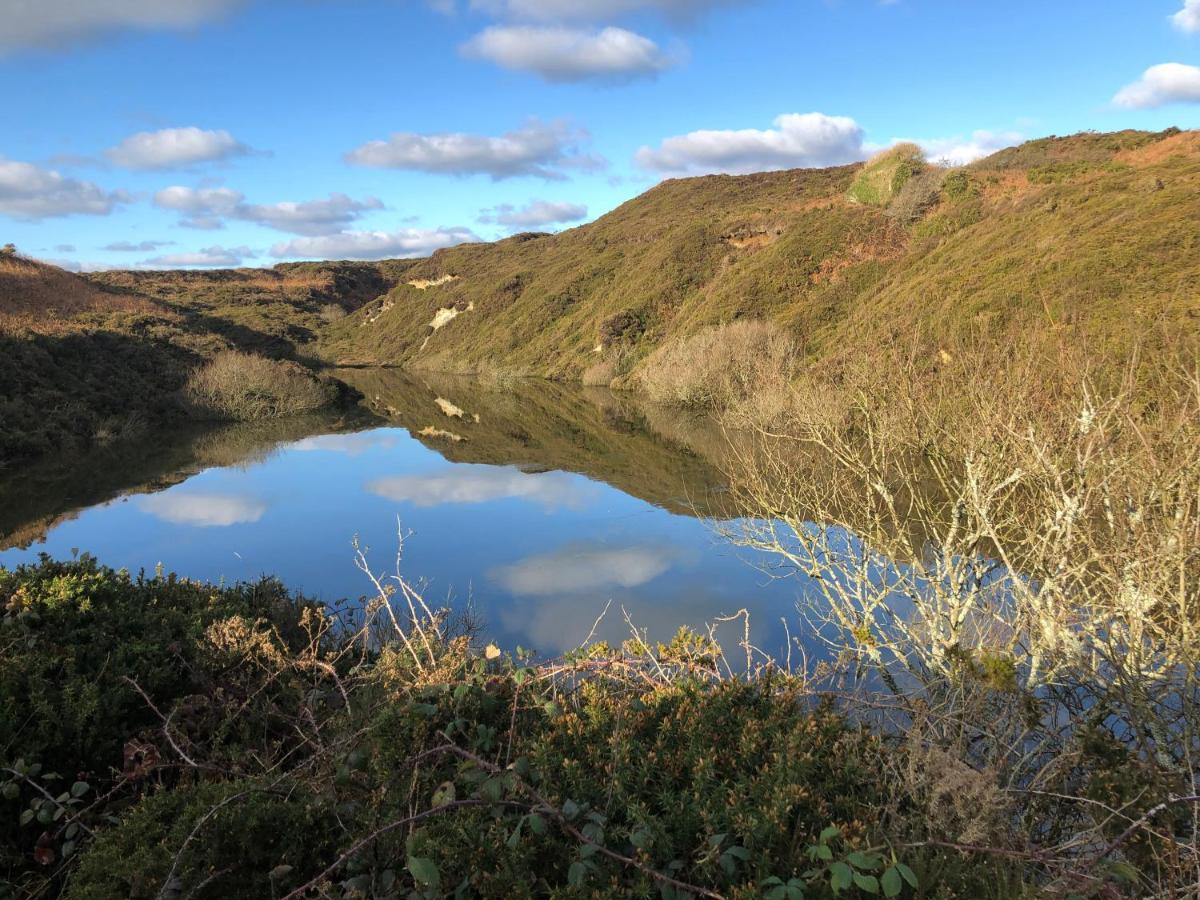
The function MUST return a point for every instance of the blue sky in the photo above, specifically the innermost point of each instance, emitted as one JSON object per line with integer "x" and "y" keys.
{"x": 224, "y": 132}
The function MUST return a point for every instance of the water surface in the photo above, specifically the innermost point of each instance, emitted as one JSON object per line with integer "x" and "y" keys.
{"x": 536, "y": 504}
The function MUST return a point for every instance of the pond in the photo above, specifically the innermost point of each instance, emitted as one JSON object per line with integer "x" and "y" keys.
{"x": 534, "y": 504}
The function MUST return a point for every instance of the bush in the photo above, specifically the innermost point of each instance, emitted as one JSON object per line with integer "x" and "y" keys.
{"x": 245, "y": 387}
{"x": 885, "y": 174}
{"x": 722, "y": 367}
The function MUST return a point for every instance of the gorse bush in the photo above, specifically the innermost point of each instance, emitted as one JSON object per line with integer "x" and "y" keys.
{"x": 721, "y": 367}
{"x": 245, "y": 387}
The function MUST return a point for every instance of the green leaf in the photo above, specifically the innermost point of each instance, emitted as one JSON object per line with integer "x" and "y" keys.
{"x": 825, "y": 853}
{"x": 27, "y": 816}
{"x": 865, "y": 861}
{"x": 11, "y": 790}
{"x": 777, "y": 893}
{"x": 79, "y": 788}
{"x": 641, "y": 838}
{"x": 891, "y": 882}
{"x": 868, "y": 883}
{"x": 907, "y": 874}
{"x": 576, "y": 874}
{"x": 424, "y": 871}
{"x": 445, "y": 793}
{"x": 68, "y": 848}
{"x": 537, "y": 824}
{"x": 570, "y": 809}
{"x": 829, "y": 833}
{"x": 840, "y": 877}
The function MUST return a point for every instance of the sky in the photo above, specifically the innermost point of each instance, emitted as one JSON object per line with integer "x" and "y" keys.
{"x": 191, "y": 133}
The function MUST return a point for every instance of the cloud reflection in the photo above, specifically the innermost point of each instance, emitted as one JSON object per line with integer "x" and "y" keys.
{"x": 483, "y": 484}
{"x": 204, "y": 510}
{"x": 350, "y": 444}
{"x": 585, "y": 567}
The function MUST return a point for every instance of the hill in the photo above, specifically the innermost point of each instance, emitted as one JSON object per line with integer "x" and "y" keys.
{"x": 1085, "y": 240}
{"x": 87, "y": 360}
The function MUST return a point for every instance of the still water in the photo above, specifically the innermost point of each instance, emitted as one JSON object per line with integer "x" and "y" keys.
{"x": 535, "y": 504}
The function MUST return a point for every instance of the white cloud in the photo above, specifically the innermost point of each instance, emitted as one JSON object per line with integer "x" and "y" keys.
{"x": 354, "y": 444}
{"x": 596, "y": 10}
{"x": 1160, "y": 85}
{"x": 584, "y": 567}
{"x": 222, "y": 257}
{"x": 171, "y": 148}
{"x": 130, "y": 247}
{"x": 30, "y": 192}
{"x": 48, "y": 23}
{"x": 797, "y": 140}
{"x": 209, "y": 207}
{"x": 406, "y": 242}
{"x": 959, "y": 150}
{"x": 201, "y": 207}
{"x": 1188, "y": 18}
{"x": 561, "y": 54}
{"x": 539, "y": 149}
{"x": 310, "y": 217}
{"x": 204, "y": 510}
{"x": 534, "y": 214}
{"x": 484, "y": 484}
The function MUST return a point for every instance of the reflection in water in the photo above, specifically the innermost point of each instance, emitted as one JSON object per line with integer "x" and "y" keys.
{"x": 582, "y": 567}
{"x": 203, "y": 510}
{"x": 482, "y": 484}
{"x": 556, "y": 502}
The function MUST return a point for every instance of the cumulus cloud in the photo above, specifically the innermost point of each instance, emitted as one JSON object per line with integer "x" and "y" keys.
{"x": 535, "y": 214}
{"x": 471, "y": 484}
{"x": 584, "y": 567}
{"x": 1188, "y": 18}
{"x": 311, "y": 217}
{"x": 209, "y": 207}
{"x": 130, "y": 247}
{"x": 561, "y": 54}
{"x": 204, "y": 510}
{"x": 49, "y": 23}
{"x": 541, "y": 149}
{"x": 31, "y": 192}
{"x": 171, "y": 148}
{"x": 797, "y": 140}
{"x": 959, "y": 150}
{"x": 204, "y": 208}
{"x": 222, "y": 257}
{"x": 1160, "y": 85}
{"x": 596, "y": 10}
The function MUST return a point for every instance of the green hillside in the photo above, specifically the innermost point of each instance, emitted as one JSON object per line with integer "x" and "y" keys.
{"x": 1087, "y": 239}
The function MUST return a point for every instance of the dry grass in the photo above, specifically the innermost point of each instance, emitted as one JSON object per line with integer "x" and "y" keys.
{"x": 245, "y": 387}
{"x": 721, "y": 368}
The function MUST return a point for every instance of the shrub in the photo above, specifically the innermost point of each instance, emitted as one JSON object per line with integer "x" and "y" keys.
{"x": 919, "y": 193}
{"x": 245, "y": 387}
{"x": 721, "y": 367}
{"x": 886, "y": 173}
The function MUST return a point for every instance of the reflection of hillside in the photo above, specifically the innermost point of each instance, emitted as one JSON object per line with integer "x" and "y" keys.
{"x": 42, "y": 496}
{"x": 664, "y": 458}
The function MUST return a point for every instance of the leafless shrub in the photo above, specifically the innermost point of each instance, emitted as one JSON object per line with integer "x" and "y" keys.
{"x": 1007, "y": 568}
{"x": 245, "y": 387}
{"x": 726, "y": 367}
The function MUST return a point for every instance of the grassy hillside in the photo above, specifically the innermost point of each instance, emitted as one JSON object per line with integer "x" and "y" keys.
{"x": 1084, "y": 240}
{"x": 87, "y": 360}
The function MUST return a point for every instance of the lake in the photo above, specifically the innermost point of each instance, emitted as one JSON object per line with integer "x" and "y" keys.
{"x": 534, "y": 504}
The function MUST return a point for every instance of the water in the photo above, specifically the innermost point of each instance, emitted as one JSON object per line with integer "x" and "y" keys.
{"x": 537, "y": 505}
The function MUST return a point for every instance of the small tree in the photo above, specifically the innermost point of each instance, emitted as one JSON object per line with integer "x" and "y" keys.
{"x": 8, "y": 250}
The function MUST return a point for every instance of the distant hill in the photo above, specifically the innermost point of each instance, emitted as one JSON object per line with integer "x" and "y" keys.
{"x": 1091, "y": 238}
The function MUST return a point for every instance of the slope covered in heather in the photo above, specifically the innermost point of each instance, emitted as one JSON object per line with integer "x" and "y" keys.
{"x": 1089, "y": 239}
